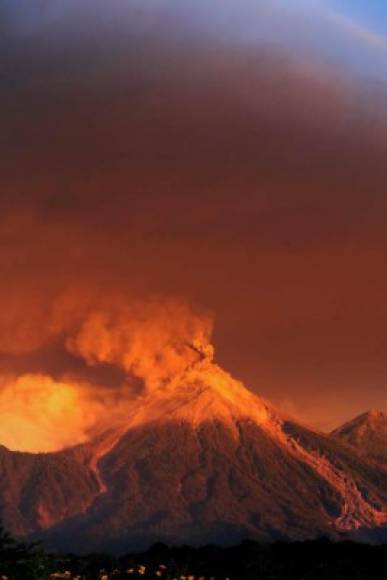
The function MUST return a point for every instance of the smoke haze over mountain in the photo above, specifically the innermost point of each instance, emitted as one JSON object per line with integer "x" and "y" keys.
{"x": 177, "y": 155}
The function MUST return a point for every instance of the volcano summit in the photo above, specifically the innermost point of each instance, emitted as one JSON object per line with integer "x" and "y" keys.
{"x": 201, "y": 459}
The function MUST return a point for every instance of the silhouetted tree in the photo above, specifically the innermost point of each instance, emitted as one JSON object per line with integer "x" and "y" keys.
{"x": 21, "y": 561}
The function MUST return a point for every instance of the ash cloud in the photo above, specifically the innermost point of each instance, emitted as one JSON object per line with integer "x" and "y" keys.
{"x": 165, "y": 160}
{"x": 151, "y": 341}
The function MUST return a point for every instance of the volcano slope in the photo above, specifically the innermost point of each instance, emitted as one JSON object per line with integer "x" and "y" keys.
{"x": 199, "y": 460}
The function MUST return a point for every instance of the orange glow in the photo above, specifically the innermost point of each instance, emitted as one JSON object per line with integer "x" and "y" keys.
{"x": 241, "y": 176}
{"x": 153, "y": 341}
{"x": 39, "y": 414}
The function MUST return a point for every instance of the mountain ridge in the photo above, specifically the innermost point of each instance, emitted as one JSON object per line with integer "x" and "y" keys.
{"x": 200, "y": 459}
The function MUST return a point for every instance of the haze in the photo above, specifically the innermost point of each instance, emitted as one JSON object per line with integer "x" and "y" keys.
{"x": 230, "y": 155}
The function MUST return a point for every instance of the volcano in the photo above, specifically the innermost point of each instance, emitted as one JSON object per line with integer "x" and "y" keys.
{"x": 201, "y": 459}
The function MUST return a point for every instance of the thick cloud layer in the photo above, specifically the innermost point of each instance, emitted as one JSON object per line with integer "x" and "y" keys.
{"x": 159, "y": 158}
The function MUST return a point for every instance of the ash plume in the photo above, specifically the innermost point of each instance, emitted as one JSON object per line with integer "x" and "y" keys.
{"x": 152, "y": 341}
{"x": 146, "y": 148}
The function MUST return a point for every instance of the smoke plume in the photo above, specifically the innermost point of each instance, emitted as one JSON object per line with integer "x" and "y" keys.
{"x": 205, "y": 150}
{"x": 151, "y": 341}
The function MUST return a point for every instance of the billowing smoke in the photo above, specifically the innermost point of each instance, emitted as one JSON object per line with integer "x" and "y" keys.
{"x": 150, "y": 341}
{"x": 41, "y": 414}
{"x": 165, "y": 148}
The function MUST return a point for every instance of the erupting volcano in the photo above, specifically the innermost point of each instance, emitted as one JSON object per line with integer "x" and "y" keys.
{"x": 189, "y": 455}
{"x": 167, "y": 165}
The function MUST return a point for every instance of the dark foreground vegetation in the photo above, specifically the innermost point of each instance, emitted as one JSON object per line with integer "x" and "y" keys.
{"x": 315, "y": 560}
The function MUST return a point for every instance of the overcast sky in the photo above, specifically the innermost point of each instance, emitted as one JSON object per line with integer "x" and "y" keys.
{"x": 232, "y": 153}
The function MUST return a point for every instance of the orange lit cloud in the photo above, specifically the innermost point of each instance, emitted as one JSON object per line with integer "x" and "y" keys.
{"x": 39, "y": 414}
{"x": 151, "y": 340}
{"x": 239, "y": 178}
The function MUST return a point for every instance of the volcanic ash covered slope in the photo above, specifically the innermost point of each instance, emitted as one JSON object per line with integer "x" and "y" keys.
{"x": 201, "y": 459}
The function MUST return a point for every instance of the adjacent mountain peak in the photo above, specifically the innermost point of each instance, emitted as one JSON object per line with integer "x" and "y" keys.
{"x": 368, "y": 433}
{"x": 374, "y": 414}
{"x": 373, "y": 418}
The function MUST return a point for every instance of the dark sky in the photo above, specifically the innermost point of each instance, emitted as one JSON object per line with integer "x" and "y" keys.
{"x": 171, "y": 151}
